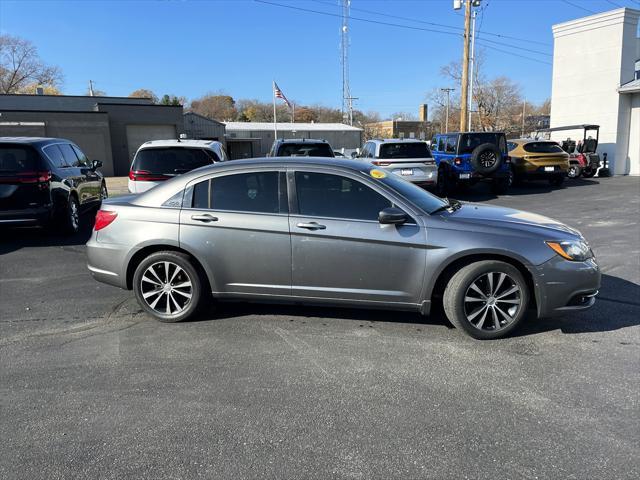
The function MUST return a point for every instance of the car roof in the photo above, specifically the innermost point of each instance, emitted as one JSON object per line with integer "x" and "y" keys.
{"x": 36, "y": 141}
{"x": 301, "y": 140}
{"x": 185, "y": 143}
{"x": 396, "y": 140}
{"x": 461, "y": 133}
{"x": 531, "y": 140}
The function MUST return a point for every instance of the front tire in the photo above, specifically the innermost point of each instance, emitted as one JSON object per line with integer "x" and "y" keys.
{"x": 589, "y": 172}
{"x": 574, "y": 171}
{"x": 168, "y": 287}
{"x": 486, "y": 299}
{"x": 443, "y": 186}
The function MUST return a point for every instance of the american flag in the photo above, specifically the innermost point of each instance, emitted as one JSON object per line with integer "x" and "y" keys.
{"x": 278, "y": 94}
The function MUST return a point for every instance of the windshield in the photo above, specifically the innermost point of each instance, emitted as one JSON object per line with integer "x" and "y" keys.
{"x": 16, "y": 159}
{"x": 306, "y": 149}
{"x": 404, "y": 150}
{"x": 170, "y": 161}
{"x": 542, "y": 147}
{"x": 416, "y": 195}
{"x": 469, "y": 141}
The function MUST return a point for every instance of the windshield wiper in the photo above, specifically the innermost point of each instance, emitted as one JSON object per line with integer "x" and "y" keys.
{"x": 452, "y": 205}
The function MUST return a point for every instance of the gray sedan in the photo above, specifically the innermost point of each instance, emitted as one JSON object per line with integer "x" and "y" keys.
{"x": 337, "y": 232}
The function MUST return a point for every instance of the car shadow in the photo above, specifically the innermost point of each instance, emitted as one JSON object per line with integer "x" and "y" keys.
{"x": 617, "y": 307}
{"x": 482, "y": 191}
{"x": 15, "y": 238}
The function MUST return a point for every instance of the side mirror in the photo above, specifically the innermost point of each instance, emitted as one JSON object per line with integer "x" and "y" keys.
{"x": 96, "y": 164}
{"x": 392, "y": 215}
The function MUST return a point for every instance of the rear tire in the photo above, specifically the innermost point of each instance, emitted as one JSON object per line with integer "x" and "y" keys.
{"x": 486, "y": 299}
{"x": 500, "y": 186}
{"x": 442, "y": 187}
{"x": 70, "y": 216}
{"x": 168, "y": 286}
{"x": 589, "y": 172}
{"x": 574, "y": 171}
{"x": 557, "y": 180}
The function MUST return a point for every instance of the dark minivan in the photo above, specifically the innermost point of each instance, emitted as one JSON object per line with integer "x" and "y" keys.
{"x": 48, "y": 182}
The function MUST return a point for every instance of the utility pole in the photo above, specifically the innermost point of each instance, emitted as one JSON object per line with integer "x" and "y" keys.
{"x": 446, "y": 122}
{"x": 347, "y": 106}
{"x": 90, "y": 88}
{"x": 464, "y": 97}
{"x": 524, "y": 105}
{"x": 472, "y": 63}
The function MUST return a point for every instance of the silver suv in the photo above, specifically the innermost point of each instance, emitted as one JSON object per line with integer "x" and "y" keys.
{"x": 409, "y": 158}
{"x": 336, "y": 232}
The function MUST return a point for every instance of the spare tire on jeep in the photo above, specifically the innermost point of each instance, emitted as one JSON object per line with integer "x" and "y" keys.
{"x": 486, "y": 158}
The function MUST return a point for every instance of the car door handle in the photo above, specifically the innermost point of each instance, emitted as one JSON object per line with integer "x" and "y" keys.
{"x": 204, "y": 218}
{"x": 311, "y": 226}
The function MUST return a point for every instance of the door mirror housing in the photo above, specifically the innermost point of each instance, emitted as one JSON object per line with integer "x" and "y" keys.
{"x": 96, "y": 164}
{"x": 392, "y": 216}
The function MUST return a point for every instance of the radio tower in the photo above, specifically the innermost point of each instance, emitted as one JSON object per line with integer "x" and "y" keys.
{"x": 347, "y": 99}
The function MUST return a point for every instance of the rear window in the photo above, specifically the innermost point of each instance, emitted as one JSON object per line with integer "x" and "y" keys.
{"x": 469, "y": 141}
{"x": 404, "y": 150}
{"x": 17, "y": 159}
{"x": 170, "y": 161}
{"x": 542, "y": 147}
{"x": 305, "y": 150}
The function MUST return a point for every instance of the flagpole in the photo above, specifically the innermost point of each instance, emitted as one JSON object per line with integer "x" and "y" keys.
{"x": 293, "y": 112}
{"x": 275, "y": 120}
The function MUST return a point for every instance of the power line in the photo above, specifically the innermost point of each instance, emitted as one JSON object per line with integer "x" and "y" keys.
{"x": 578, "y": 6}
{"x": 528, "y": 40}
{"x": 398, "y": 25}
{"x": 519, "y": 55}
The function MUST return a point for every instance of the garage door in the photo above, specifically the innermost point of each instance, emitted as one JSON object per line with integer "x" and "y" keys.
{"x": 138, "y": 134}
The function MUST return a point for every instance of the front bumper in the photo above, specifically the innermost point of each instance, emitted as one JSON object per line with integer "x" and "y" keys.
{"x": 563, "y": 286}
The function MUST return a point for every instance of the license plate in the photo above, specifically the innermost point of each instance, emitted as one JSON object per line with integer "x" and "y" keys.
{"x": 464, "y": 176}
{"x": 406, "y": 171}
{"x": 549, "y": 169}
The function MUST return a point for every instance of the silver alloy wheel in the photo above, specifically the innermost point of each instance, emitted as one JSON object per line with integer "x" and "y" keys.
{"x": 74, "y": 217}
{"x": 573, "y": 171}
{"x": 166, "y": 288}
{"x": 492, "y": 301}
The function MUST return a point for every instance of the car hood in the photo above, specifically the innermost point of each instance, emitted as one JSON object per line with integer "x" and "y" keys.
{"x": 489, "y": 216}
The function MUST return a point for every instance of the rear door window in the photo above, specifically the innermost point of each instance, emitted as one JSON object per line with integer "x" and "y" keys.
{"x": 334, "y": 196}
{"x": 69, "y": 155}
{"x": 256, "y": 192}
{"x": 15, "y": 159}
{"x": 452, "y": 142}
{"x": 170, "y": 161}
{"x": 55, "y": 156}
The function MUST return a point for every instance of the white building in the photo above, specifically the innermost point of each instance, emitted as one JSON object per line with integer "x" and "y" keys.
{"x": 596, "y": 80}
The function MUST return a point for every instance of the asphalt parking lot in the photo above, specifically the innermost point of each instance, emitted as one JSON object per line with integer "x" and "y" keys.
{"x": 92, "y": 388}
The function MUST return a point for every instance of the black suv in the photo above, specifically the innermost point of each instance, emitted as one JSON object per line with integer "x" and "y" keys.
{"x": 301, "y": 147}
{"x": 47, "y": 181}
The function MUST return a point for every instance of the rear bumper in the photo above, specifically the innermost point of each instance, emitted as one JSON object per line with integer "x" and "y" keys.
{"x": 475, "y": 176}
{"x": 541, "y": 173}
{"x": 564, "y": 287}
{"x": 414, "y": 173}
{"x": 107, "y": 262}
{"x": 26, "y": 216}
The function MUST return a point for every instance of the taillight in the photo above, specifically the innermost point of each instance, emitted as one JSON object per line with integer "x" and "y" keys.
{"x": 507, "y": 159}
{"x": 457, "y": 161}
{"x": 28, "y": 177}
{"x": 104, "y": 219}
{"x": 381, "y": 164}
{"x": 145, "y": 176}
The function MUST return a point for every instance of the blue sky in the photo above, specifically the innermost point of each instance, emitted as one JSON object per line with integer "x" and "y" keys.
{"x": 190, "y": 47}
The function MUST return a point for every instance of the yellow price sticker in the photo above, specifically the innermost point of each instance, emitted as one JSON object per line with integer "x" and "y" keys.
{"x": 377, "y": 174}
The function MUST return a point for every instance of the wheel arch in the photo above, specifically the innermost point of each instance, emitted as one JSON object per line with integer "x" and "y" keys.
{"x": 448, "y": 270}
{"x": 144, "y": 252}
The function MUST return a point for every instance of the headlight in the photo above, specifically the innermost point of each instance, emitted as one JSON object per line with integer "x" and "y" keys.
{"x": 574, "y": 250}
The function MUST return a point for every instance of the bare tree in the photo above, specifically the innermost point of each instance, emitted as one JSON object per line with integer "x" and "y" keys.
{"x": 21, "y": 67}
{"x": 144, "y": 93}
